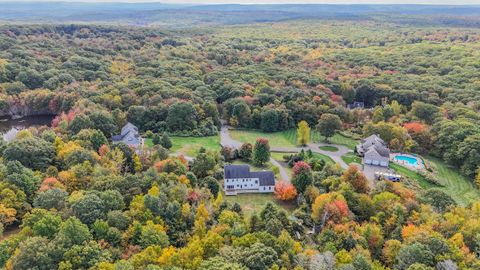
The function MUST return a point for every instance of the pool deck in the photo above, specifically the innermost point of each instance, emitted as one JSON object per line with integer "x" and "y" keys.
{"x": 419, "y": 167}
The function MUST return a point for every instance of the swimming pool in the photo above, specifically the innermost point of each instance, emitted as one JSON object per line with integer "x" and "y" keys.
{"x": 412, "y": 161}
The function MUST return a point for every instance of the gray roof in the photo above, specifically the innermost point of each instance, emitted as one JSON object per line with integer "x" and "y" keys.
{"x": 372, "y": 139}
{"x": 374, "y": 155}
{"x": 236, "y": 171}
{"x": 129, "y": 127}
{"x": 129, "y": 135}
{"x": 266, "y": 178}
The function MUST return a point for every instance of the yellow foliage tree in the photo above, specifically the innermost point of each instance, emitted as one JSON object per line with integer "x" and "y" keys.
{"x": 303, "y": 133}
{"x": 7, "y": 214}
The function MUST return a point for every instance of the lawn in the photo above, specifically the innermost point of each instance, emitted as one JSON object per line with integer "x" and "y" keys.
{"x": 351, "y": 158}
{"x": 278, "y": 156}
{"x": 329, "y": 148}
{"x": 456, "y": 185}
{"x": 251, "y": 202}
{"x": 287, "y": 138}
{"x": 422, "y": 182}
{"x": 276, "y": 139}
{"x": 189, "y": 146}
{"x": 460, "y": 188}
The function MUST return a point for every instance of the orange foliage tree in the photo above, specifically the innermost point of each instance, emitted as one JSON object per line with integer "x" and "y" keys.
{"x": 285, "y": 191}
{"x": 414, "y": 127}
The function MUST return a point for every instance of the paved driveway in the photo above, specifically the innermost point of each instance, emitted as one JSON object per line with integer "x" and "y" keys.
{"x": 227, "y": 140}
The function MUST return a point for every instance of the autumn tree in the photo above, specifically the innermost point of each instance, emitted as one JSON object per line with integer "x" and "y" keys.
{"x": 301, "y": 176}
{"x": 328, "y": 125}
{"x": 245, "y": 151}
{"x": 329, "y": 207}
{"x": 261, "y": 151}
{"x": 303, "y": 133}
{"x": 356, "y": 178}
{"x": 285, "y": 191}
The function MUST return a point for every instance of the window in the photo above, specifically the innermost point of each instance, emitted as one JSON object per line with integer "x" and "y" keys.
{"x": 256, "y": 181}
{"x": 269, "y": 188}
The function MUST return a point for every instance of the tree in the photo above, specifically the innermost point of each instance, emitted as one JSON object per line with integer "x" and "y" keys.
{"x": 261, "y": 151}
{"x": 301, "y": 176}
{"x": 34, "y": 253}
{"x": 51, "y": 199}
{"x": 303, "y": 133}
{"x": 34, "y": 153}
{"x": 329, "y": 207}
{"x": 91, "y": 137}
{"x": 440, "y": 200}
{"x": 328, "y": 125}
{"x": 378, "y": 115}
{"x": 156, "y": 139}
{"x": 181, "y": 116}
{"x": 89, "y": 208}
{"x": 203, "y": 164}
{"x": 259, "y": 257}
{"x": 415, "y": 253}
{"x": 78, "y": 123}
{"x": 103, "y": 121}
{"x": 285, "y": 191}
{"x": 356, "y": 178}
{"x": 245, "y": 151}
{"x": 212, "y": 184}
{"x": 220, "y": 263}
{"x": 73, "y": 232}
{"x": 425, "y": 112}
{"x": 269, "y": 120}
{"x": 166, "y": 142}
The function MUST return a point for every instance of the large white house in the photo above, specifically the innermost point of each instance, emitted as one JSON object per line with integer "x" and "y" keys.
{"x": 374, "y": 151}
{"x": 239, "y": 179}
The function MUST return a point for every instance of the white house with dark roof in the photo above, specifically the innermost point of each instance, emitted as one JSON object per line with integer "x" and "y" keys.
{"x": 239, "y": 179}
{"x": 374, "y": 151}
{"x": 130, "y": 136}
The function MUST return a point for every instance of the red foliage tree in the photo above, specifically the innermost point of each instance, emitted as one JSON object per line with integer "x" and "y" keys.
{"x": 50, "y": 183}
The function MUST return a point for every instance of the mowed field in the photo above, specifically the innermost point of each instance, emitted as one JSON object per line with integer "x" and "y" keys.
{"x": 189, "y": 146}
{"x": 456, "y": 185}
{"x": 459, "y": 187}
{"x": 287, "y": 138}
{"x": 251, "y": 202}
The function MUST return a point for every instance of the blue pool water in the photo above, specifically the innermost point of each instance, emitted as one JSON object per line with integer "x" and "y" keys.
{"x": 410, "y": 160}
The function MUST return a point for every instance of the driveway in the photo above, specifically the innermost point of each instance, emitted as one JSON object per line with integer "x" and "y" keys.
{"x": 227, "y": 140}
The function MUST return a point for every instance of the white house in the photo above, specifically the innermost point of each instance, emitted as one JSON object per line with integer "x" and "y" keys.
{"x": 239, "y": 179}
{"x": 374, "y": 151}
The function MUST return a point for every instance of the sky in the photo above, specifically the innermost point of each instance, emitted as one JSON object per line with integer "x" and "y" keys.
{"x": 434, "y": 2}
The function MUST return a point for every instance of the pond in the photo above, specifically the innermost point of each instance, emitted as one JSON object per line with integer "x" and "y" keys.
{"x": 10, "y": 127}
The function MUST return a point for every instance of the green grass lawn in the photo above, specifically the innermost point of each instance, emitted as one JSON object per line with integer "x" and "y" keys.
{"x": 329, "y": 148}
{"x": 189, "y": 146}
{"x": 456, "y": 185}
{"x": 278, "y": 156}
{"x": 351, "y": 158}
{"x": 460, "y": 188}
{"x": 251, "y": 202}
{"x": 422, "y": 182}
{"x": 287, "y": 138}
{"x": 276, "y": 139}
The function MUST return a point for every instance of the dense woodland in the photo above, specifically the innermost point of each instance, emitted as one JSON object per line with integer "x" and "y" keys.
{"x": 81, "y": 202}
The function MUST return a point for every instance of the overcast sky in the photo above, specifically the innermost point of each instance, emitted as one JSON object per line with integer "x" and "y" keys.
{"x": 439, "y": 2}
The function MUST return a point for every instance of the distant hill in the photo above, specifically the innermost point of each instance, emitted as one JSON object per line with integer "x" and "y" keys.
{"x": 187, "y": 15}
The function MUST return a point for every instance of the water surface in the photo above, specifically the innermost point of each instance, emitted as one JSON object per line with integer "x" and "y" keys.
{"x": 10, "y": 127}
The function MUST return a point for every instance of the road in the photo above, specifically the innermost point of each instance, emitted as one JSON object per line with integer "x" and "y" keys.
{"x": 227, "y": 140}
